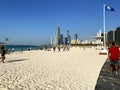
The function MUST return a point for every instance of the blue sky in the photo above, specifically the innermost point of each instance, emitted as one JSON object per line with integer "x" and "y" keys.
{"x": 35, "y": 21}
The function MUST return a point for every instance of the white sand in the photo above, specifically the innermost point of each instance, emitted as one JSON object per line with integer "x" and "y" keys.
{"x": 76, "y": 69}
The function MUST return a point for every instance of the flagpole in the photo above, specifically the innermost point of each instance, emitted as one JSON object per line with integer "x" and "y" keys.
{"x": 104, "y": 26}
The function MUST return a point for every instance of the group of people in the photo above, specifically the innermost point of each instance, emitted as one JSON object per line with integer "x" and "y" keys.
{"x": 65, "y": 48}
{"x": 54, "y": 48}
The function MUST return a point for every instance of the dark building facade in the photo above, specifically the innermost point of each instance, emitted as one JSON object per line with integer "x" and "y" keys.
{"x": 61, "y": 39}
{"x": 111, "y": 36}
{"x": 114, "y": 35}
{"x": 117, "y": 34}
{"x": 103, "y": 37}
{"x": 65, "y": 41}
{"x": 75, "y": 37}
{"x": 69, "y": 38}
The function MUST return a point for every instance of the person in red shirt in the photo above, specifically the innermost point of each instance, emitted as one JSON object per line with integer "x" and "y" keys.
{"x": 113, "y": 54}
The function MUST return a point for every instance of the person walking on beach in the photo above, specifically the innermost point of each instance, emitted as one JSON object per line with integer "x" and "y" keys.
{"x": 58, "y": 48}
{"x": 113, "y": 54}
{"x": 54, "y": 48}
{"x": 3, "y": 54}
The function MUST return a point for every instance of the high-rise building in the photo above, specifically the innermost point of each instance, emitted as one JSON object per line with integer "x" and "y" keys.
{"x": 76, "y": 37}
{"x": 57, "y": 36}
{"x": 118, "y": 34}
{"x": 51, "y": 42}
{"x": 111, "y": 35}
{"x": 68, "y": 37}
{"x": 65, "y": 41}
{"x": 61, "y": 39}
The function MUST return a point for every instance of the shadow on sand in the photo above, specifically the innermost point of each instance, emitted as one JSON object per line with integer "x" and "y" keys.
{"x": 107, "y": 80}
{"x": 10, "y": 61}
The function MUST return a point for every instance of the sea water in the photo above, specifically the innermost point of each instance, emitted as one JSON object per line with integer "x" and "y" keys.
{"x": 21, "y": 47}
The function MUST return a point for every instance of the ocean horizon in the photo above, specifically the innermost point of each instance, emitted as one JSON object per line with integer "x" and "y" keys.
{"x": 22, "y": 47}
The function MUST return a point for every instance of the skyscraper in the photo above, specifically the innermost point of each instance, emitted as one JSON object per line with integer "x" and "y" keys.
{"x": 61, "y": 39}
{"x": 111, "y": 35}
{"x": 118, "y": 34}
{"x": 57, "y": 36}
{"x": 68, "y": 38}
{"x": 76, "y": 37}
{"x": 65, "y": 41}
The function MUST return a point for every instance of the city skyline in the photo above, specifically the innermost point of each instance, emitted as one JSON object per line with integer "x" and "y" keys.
{"x": 61, "y": 39}
{"x": 33, "y": 22}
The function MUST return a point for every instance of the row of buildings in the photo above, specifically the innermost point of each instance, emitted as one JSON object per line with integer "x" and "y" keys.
{"x": 110, "y": 36}
{"x": 60, "y": 39}
{"x": 113, "y": 35}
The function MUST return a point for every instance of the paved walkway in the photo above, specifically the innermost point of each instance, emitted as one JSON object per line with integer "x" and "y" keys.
{"x": 106, "y": 80}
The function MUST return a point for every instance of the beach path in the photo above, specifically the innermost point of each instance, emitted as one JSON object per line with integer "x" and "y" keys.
{"x": 107, "y": 80}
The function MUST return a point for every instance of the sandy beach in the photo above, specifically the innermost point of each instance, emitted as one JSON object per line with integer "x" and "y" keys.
{"x": 76, "y": 69}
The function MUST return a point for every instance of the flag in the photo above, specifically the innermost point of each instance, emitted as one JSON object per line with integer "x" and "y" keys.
{"x": 6, "y": 39}
{"x": 108, "y": 8}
